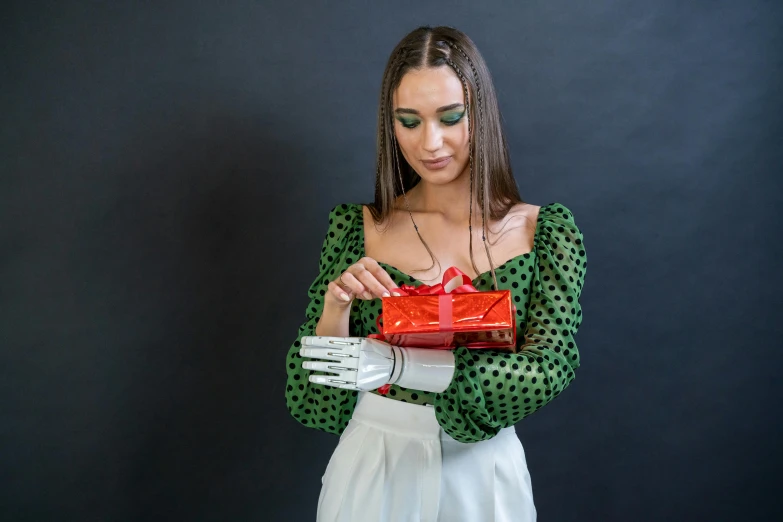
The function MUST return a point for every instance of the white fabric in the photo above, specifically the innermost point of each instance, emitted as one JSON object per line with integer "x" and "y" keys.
{"x": 395, "y": 464}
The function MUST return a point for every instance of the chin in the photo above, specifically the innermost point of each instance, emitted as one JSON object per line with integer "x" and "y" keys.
{"x": 442, "y": 177}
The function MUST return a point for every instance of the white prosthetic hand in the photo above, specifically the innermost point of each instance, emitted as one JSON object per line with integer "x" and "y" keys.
{"x": 359, "y": 363}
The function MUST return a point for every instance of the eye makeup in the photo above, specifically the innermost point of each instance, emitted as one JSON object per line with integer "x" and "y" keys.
{"x": 408, "y": 123}
{"x": 452, "y": 118}
{"x": 449, "y": 118}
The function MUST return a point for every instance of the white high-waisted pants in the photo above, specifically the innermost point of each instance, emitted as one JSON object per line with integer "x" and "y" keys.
{"x": 395, "y": 464}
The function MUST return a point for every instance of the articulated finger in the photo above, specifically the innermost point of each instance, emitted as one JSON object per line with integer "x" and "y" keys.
{"x": 326, "y": 340}
{"x": 330, "y": 348}
{"x": 338, "y": 381}
{"x": 329, "y": 354}
{"x": 322, "y": 353}
{"x": 349, "y": 387}
{"x": 343, "y": 343}
{"x": 349, "y": 365}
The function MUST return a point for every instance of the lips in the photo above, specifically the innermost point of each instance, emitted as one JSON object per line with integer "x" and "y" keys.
{"x": 437, "y": 163}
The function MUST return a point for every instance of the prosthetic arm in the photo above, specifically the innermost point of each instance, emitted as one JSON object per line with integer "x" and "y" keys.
{"x": 359, "y": 363}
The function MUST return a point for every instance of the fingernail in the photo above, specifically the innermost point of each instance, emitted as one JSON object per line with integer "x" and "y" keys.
{"x": 367, "y": 295}
{"x": 395, "y": 294}
{"x": 386, "y": 294}
{"x": 345, "y": 297}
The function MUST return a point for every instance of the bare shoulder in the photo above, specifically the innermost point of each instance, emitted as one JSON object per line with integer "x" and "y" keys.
{"x": 367, "y": 220}
{"x": 523, "y": 214}
{"x": 366, "y": 215}
{"x": 515, "y": 233}
{"x": 382, "y": 228}
{"x": 527, "y": 208}
{"x": 373, "y": 231}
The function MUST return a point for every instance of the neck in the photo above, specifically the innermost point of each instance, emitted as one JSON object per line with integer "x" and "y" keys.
{"x": 450, "y": 200}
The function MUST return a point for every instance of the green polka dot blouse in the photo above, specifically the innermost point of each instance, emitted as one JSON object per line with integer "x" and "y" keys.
{"x": 490, "y": 389}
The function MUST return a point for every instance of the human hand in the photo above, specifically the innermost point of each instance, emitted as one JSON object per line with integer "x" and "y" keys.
{"x": 365, "y": 279}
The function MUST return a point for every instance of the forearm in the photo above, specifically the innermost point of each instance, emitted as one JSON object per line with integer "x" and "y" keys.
{"x": 494, "y": 390}
{"x": 334, "y": 321}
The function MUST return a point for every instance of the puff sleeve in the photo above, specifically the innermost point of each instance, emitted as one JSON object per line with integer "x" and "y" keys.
{"x": 493, "y": 390}
{"x": 316, "y": 406}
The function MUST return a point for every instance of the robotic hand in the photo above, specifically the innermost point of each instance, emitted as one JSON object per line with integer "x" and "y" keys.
{"x": 360, "y": 363}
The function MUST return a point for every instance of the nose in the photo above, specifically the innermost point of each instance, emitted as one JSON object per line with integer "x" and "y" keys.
{"x": 433, "y": 137}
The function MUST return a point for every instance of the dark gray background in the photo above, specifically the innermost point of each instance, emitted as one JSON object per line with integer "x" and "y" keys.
{"x": 166, "y": 173}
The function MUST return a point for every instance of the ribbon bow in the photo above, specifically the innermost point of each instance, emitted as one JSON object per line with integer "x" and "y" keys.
{"x": 454, "y": 282}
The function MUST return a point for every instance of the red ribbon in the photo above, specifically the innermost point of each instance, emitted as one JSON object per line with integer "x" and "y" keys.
{"x": 454, "y": 282}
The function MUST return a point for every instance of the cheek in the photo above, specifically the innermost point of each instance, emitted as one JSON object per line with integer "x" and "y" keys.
{"x": 406, "y": 141}
{"x": 459, "y": 139}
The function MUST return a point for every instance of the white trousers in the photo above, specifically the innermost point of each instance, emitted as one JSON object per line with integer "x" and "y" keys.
{"x": 394, "y": 463}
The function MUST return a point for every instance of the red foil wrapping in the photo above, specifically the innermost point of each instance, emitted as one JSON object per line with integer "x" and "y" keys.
{"x": 474, "y": 320}
{"x": 450, "y": 314}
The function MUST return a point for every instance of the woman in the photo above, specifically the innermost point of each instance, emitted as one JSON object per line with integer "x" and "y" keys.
{"x": 441, "y": 445}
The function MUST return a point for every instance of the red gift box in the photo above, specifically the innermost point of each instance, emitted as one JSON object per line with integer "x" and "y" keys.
{"x": 449, "y": 314}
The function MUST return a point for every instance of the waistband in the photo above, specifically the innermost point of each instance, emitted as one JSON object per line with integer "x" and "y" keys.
{"x": 403, "y": 418}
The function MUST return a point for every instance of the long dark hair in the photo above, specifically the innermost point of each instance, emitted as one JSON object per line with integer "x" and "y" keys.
{"x": 495, "y": 188}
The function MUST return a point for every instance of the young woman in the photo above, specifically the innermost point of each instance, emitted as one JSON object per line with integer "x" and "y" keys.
{"x": 441, "y": 445}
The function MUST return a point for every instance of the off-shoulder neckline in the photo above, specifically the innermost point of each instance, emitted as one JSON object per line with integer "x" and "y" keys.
{"x": 536, "y": 234}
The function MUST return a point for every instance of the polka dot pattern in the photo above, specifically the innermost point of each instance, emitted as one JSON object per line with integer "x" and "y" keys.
{"x": 314, "y": 405}
{"x": 490, "y": 390}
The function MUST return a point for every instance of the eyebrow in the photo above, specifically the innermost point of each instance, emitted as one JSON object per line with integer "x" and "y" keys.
{"x": 439, "y": 109}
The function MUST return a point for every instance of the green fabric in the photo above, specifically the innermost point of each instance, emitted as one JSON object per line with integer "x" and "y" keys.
{"x": 491, "y": 389}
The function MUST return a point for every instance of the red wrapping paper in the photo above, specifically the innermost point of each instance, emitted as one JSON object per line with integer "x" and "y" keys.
{"x": 450, "y": 314}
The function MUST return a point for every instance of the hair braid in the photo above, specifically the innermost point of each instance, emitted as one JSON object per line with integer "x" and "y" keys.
{"x": 395, "y": 64}
{"x": 483, "y": 196}
{"x": 471, "y": 167}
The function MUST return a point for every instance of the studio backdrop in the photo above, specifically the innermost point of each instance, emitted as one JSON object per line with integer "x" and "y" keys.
{"x": 166, "y": 173}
